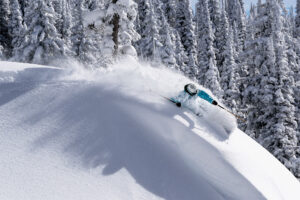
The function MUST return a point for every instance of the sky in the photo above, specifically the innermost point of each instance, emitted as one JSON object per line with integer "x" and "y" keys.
{"x": 288, "y": 3}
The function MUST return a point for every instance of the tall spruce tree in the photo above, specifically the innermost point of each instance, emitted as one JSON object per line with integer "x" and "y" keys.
{"x": 216, "y": 19}
{"x": 77, "y": 29}
{"x": 17, "y": 28}
{"x": 236, "y": 16}
{"x": 89, "y": 34}
{"x": 292, "y": 47}
{"x": 66, "y": 25}
{"x": 149, "y": 43}
{"x": 5, "y": 37}
{"x": 181, "y": 57}
{"x": 185, "y": 28}
{"x": 169, "y": 8}
{"x": 1, "y": 53}
{"x": 42, "y": 41}
{"x": 127, "y": 33}
{"x": 122, "y": 15}
{"x": 167, "y": 50}
{"x": 284, "y": 126}
{"x": 297, "y": 20}
{"x": 208, "y": 74}
{"x": 269, "y": 92}
{"x": 259, "y": 33}
{"x": 228, "y": 73}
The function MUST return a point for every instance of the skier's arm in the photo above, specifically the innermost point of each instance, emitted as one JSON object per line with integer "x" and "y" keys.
{"x": 178, "y": 99}
{"x": 206, "y": 97}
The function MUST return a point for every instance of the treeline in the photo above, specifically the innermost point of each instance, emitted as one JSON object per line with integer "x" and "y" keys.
{"x": 250, "y": 61}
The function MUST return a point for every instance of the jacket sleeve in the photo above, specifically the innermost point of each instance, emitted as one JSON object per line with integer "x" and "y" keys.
{"x": 179, "y": 98}
{"x": 205, "y": 96}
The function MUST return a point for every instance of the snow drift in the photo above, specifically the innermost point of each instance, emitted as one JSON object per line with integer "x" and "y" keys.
{"x": 75, "y": 134}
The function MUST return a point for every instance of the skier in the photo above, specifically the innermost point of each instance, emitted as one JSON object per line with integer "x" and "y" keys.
{"x": 189, "y": 99}
{"x": 190, "y": 95}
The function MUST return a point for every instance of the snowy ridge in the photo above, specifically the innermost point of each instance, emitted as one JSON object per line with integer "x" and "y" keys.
{"x": 74, "y": 134}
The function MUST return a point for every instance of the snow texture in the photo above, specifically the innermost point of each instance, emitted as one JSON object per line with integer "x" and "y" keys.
{"x": 73, "y": 134}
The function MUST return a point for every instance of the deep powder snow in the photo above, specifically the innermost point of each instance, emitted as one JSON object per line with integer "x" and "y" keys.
{"x": 108, "y": 134}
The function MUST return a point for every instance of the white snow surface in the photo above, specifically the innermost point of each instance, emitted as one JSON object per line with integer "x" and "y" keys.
{"x": 67, "y": 133}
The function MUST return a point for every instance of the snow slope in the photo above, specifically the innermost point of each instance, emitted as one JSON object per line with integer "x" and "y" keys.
{"x": 74, "y": 134}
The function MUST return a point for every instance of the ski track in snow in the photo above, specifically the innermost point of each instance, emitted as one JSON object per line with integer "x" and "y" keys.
{"x": 75, "y": 134}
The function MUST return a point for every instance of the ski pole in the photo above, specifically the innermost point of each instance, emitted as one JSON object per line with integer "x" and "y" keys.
{"x": 240, "y": 118}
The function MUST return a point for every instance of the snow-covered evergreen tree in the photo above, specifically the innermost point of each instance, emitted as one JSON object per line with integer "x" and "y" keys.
{"x": 42, "y": 42}
{"x": 228, "y": 73}
{"x": 128, "y": 12}
{"x": 292, "y": 47}
{"x": 77, "y": 27}
{"x": 185, "y": 27}
{"x": 149, "y": 44}
{"x": 170, "y": 12}
{"x": 167, "y": 51}
{"x": 208, "y": 74}
{"x": 269, "y": 92}
{"x": 258, "y": 36}
{"x": 121, "y": 15}
{"x": 181, "y": 57}
{"x": 236, "y": 16}
{"x": 1, "y": 53}
{"x": 65, "y": 26}
{"x": 5, "y": 37}
{"x": 297, "y": 19}
{"x": 17, "y": 28}
{"x": 216, "y": 19}
{"x": 97, "y": 49}
{"x": 221, "y": 37}
{"x": 291, "y": 19}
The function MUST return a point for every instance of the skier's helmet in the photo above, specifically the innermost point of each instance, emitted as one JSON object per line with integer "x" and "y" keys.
{"x": 190, "y": 89}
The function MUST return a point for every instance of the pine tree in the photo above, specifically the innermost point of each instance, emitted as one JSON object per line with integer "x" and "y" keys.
{"x": 181, "y": 57}
{"x": 77, "y": 29}
{"x": 88, "y": 43}
{"x": 65, "y": 27}
{"x": 149, "y": 43}
{"x": 292, "y": 47}
{"x": 236, "y": 16}
{"x": 216, "y": 19}
{"x": 5, "y": 37}
{"x": 167, "y": 51}
{"x": 127, "y": 33}
{"x": 292, "y": 21}
{"x": 17, "y": 28}
{"x": 228, "y": 74}
{"x": 297, "y": 20}
{"x": 1, "y": 53}
{"x": 185, "y": 28}
{"x": 221, "y": 39}
{"x": 42, "y": 42}
{"x": 170, "y": 12}
{"x": 208, "y": 74}
{"x": 258, "y": 35}
{"x": 269, "y": 92}
{"x": 122, "y": 16}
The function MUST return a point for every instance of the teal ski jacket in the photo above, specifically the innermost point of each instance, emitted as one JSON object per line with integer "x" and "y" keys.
{"x": 184, "y": 96}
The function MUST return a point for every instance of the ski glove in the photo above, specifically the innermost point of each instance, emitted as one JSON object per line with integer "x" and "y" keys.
{"x": 214, "y": 103}
{"x": 178, "y": 104}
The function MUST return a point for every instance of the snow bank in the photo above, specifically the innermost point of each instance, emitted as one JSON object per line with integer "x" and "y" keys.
{"x": 20, "y": 72}
{"x": 109, "y": 135}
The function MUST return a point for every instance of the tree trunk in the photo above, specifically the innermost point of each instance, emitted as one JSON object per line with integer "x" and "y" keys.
{"x": 115, "y": 22}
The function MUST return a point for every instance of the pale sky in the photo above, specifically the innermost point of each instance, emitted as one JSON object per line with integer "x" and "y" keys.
{"x": 288, "y": 3}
